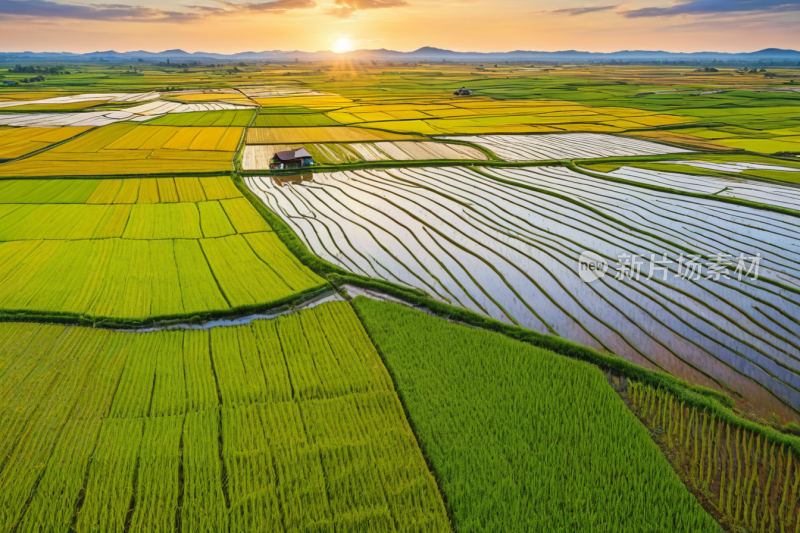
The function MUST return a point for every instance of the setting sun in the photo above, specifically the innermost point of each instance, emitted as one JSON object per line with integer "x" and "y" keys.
{"x": 343, "y": 45}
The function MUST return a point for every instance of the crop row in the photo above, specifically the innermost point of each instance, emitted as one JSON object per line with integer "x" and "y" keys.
{"x": 160, "y": 137}
{"x": 166, "y": 108}
{"x": 148, "y": 259}
{"x": 48, "y": 191}
{"x": 130, "y": 148}
{"x": 141, "y": 279}
{"x": 118, "y": 162}
{"x": 257, "y": 157}
{"x": 208, "y": 118}
{"x": 783, "y": 196}
{"x": 138, "y": 221}
{"x": 566, "y": 146}
{"x": 746, "y": 478}
{"x": 158, "y": 112}
{"x": 302, "y": 121}
{"x": 319, "y": 134}
{"x": 83, "y": 119}
{"x": 551, "y": 113}
{"x": 208, "y": 430}
{"x": 53, "y": 99}
{"x": 16, "y": 142}
{"x": 160, "y": 190}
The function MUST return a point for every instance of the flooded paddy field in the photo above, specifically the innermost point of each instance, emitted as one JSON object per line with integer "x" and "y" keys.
{"x": 506, "y": 243}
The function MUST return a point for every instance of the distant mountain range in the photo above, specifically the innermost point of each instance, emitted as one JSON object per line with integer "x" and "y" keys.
{"x": 426, "y": 53}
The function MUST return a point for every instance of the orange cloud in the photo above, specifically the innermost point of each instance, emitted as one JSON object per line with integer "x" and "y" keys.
{"x": 345, "y": 8}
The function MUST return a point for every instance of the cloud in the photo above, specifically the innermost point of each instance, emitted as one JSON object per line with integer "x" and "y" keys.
{"x": 276, "y": 6}
{"x": 346, "y": 8}
{"x": 48, "y": 10}
{"x": 583, "y": 10}
{"x": 45, "y": 9}
{"x": 710, "y": 7}
{"x": 208, "y": 10}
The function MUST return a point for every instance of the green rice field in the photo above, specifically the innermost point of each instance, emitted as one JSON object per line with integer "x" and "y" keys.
{"x": 138, "y": 249}
{"x": 497, "y": 443}
{"x": 290, "y": 425}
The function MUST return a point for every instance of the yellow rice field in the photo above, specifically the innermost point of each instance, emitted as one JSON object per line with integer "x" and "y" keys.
{"x": 127, "y": 136}
{"x": 320, "y": 134}
{"x": 163, "y": 190}
{"x": 44, "y": 108}
{"x": 207, "y": 97}
{"x": 482, "y": 116}
{"x": 680, "y": 139}
{"x": 128, "y": 148}
{"x": 16, "y": 142}
{"x": 311, "y": 101}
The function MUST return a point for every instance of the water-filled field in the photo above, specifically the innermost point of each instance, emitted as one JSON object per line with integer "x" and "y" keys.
{"x": 506, "y": 243}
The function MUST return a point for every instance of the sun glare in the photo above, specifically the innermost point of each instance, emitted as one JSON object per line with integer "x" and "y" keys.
{"x": 343, "y": 45}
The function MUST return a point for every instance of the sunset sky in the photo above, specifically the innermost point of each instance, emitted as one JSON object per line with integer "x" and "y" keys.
{"x": 466, "y": 25}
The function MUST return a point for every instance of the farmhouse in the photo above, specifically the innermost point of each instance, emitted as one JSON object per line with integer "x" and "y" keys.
{"x": 463, "y": 92}
{"x": 299, "y": 157}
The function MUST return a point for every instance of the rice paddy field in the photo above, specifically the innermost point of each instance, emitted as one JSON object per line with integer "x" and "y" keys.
{"x": 401, "y": 336}
{"x": 137, "y": 249}
{"x": 17, "y": 142}
{"x": 503, "y": 243}
{"x": 290, "y": 424}
{"x": 321, "y": 134}
{"x": 755, "y": 191}
{"x": 566, "y": 146}
{"x": 257, "y": 157}
{"x": 129, "y": 148}
{"x": 463, "y": 406}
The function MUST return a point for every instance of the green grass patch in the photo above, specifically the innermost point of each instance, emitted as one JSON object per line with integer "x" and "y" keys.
{"x": 790, "y": 177}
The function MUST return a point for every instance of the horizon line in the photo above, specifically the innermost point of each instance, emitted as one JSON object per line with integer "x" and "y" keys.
{"x": 180, "y": 50}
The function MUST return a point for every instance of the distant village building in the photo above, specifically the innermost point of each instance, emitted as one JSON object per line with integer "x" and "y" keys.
{"x": 299, "y": 157}
{"x": 463, "y": 92}
{"x": 9, "y": 82}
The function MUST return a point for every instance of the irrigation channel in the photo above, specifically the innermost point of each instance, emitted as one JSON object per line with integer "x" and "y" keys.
{"x": 238, "y": 321}
{"x": 506, "y": 242}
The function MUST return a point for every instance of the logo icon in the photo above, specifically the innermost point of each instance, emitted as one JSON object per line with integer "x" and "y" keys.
{"x": 591, "y": 266}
